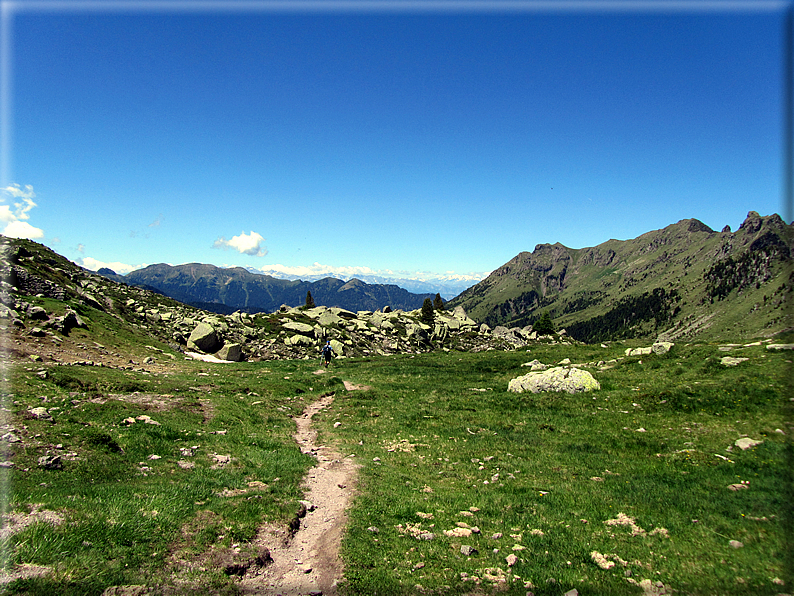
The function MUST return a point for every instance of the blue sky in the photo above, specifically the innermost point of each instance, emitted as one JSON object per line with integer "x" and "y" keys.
{"x": 407, "y": 139}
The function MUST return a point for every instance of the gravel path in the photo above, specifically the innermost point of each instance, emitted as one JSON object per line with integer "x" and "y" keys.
{"x": 306, "y": 562}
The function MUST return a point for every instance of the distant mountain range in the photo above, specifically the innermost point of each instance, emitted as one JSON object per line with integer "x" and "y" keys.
{"x": 226, "y": 290}
{"x": 685, "y": 280}
{"x": 447, "y": 286}
{"x": 681, "y": 281}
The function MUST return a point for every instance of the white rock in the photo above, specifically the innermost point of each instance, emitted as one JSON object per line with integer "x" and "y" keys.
{"x": 558, "y": 379}
{"x": 746, "y": 443}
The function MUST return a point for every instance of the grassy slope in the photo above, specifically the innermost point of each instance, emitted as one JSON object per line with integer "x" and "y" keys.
{"x": 673, "y": 258}
{"x": 443, "y": 426}
{"x": 545, "y": 450}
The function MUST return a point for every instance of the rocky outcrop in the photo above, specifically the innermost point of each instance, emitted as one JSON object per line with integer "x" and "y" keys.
{"x": 290, "y": 332}
{"x": 658, "y": 348}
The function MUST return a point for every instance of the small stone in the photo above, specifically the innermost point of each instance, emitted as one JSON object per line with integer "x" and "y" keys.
{"x": 746, "y": 443}
{"x": 468, "y": 551}
{"x": 736, "y": 544}
{"x": 51, "y": 462}
{"x": 40, "y": 413}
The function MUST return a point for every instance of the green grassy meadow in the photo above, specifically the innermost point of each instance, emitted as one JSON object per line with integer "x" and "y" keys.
{"x": 445, "y": 449}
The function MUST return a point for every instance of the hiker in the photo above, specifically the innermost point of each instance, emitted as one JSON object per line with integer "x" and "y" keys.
{"x": 328, "y": 351}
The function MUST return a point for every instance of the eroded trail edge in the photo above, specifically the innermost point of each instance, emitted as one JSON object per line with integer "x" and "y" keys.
{"x": 306, "y": 556}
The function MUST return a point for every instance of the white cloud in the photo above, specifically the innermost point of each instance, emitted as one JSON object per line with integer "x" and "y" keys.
{"x": 318, "y": 269}
{"x": 22, "y": 229}
{"x": 93, "y": 264}
{"x": 17, "y": 226}
{"x": 16, "y": 191}
{"x": 351, "y": 271}
{"x": 247, "y": 244}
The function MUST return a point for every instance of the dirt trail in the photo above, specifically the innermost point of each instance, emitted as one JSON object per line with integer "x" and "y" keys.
{"x": 307, "y": 562}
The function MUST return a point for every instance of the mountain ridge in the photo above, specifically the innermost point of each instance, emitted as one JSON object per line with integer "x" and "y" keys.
{"x": 676, "y": 270}
{"x": 240, "y": 289}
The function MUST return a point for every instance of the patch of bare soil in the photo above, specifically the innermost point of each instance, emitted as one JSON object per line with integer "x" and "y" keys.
{"x": 16, "y": 522}
{"x": 306, "y": 556}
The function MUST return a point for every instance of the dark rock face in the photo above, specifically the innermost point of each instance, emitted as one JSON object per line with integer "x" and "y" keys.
{"x": 33, "y": 285}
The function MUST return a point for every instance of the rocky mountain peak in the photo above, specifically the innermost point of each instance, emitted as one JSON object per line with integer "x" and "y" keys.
{"x": 752, "y": 223}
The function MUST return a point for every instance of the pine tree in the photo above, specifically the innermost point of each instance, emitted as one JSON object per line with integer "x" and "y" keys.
{"x": 427, "y": 315}
{"x": 544, "y": 325}
{"x": 309, "y": 300}
{"x": 438, "y": 303}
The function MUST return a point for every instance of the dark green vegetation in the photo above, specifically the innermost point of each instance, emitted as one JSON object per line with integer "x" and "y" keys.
{"x": 544, "y": 325}
{"x": 443, "y": 444}
{"x": 683, "y": 281}
{"x": 426, "y": 315}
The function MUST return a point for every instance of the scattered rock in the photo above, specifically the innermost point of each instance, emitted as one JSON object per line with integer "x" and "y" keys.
{"x": 51, "y": 462}
{"x": 746, "y": 443}
{"x": 40, "y": 413}
{"x": 131, "y": 590}
{"x": 730, "y": 361}
{"x": 230, "y": 353}
{"x": 204, "y": 338}
{"x": 601, "y": 560}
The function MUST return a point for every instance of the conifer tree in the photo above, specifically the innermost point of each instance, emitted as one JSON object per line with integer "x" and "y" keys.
{"x": 438, "y": 303}
{"x": 427, "y": 315}
{"x": 544, "y": 325}
{"x": 309, "y": 300}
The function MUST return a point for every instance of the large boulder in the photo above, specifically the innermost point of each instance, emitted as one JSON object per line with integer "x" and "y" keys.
{"x": 328, "y": 318}
{"x": 67, "y": 322}
{"x": 338, "y": 347}
{"x": 204, "y": 338}
{"x": 297, "y": 326}
{"x": 299, "y": 340}
{"x": 231, "y": 353}
{"x": 662, "y": 347}
{"x": 559, "y": 379}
